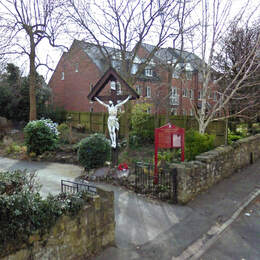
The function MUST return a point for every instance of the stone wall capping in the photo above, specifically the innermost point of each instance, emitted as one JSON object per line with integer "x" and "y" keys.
{"x": 74, "y": 237}
{"x": 213, "y": 166}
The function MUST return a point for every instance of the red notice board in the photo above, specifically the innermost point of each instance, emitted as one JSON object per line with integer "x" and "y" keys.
{"x": 168, "y": 136}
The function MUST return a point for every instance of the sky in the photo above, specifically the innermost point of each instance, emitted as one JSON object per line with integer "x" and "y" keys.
{"x": 53, "y": 55}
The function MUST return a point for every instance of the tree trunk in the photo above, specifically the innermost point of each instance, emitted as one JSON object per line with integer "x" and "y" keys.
{"x": 32, "y": 82}
{"x": 169, "y": 85}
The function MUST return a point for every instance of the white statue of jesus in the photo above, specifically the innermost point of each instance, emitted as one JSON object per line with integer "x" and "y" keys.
{"x": 112, "y": 121}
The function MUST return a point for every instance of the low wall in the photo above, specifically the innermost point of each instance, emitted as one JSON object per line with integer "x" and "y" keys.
{"x": 75, "y": 237}
{"x": 215, "y": 165}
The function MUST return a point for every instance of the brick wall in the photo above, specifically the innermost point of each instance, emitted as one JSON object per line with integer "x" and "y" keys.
{"x": 71, "y": 92}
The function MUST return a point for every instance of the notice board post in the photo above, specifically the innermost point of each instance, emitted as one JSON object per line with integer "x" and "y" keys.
{"x": 167, "y": 136}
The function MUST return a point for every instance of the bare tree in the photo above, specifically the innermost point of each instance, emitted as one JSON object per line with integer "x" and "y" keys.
{"x": 238, "y": 43}
{"x": 125, "y": 25}
{"x": 24, "y": 25}
{"x": 215, "y": 18}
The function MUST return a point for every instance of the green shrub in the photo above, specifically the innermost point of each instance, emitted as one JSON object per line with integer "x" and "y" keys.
{"x": 64, "y": 131}
{"x": 94, "y": 151}
{"x": 142, "y": 125}
{"x": 169, "y": 156}
{"x": 196, "y": 143}
{"x": 232, "y": 137}
{"x": 24, "y": 212}
{"x": 40, "y": 136}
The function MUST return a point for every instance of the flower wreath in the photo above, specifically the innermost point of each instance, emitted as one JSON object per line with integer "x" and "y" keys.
{"x": 122, "y": 167}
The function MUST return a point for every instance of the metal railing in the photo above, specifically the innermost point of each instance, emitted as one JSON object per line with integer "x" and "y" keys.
{"x": 74, "y": 187}
{"x": 163, "y": 187}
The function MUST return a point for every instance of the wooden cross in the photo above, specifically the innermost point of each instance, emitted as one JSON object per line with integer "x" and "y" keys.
{"x": 111, "y": 75}
{"x": 114, "y": 97}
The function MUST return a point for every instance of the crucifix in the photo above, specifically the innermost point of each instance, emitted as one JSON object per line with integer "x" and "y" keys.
{"x": 115, "y": 100}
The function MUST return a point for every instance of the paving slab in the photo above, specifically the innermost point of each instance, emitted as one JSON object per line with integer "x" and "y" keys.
{"x": 49, "y": 174}
{"x": 242, "y": 238}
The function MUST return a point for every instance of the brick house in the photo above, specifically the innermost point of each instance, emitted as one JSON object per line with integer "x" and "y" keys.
{"x": 80, "y": 68}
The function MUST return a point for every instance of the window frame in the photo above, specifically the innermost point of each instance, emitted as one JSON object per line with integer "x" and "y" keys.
{"x": 148, "y": 72}
{"x": 150, "y": 92}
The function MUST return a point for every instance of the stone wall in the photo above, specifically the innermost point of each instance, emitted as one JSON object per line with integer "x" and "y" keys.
{"x": 215, "y": 165}
{"x": 75, "y": 237}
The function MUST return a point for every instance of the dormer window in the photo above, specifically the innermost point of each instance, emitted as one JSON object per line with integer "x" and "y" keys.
{"x": 148, "y": 72}
{"x": 116, "y": 64}
{"x": 134, "y": 69}
{"x": 189, "y": 75}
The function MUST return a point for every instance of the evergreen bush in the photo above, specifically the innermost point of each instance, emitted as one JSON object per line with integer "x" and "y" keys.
{"x": 24, "y": 212}
{"x": 94, "y": 151}
{"x": 196, "y": 143}
{"x": 142, "y": 125}
{"x": 40, "y": 136}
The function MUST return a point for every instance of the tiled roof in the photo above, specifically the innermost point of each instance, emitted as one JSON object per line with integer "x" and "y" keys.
{"x": 173, "y": 55}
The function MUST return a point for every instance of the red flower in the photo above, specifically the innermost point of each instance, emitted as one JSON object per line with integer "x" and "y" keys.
{"x": 122, "y": 167}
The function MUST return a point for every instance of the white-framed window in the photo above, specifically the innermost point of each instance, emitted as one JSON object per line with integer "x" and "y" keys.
{"x": 138, "y": 90}
{"x": 174, "y": 92}
{"x": 62, "y": 75}
{"x": 118, "y": 88}
{"x": 199, "y": 94}
{"x": 148, "y": 92}
{"x": 148, "y": 72}
{"x": 175, "y": 73}
{"x": 191, "y": 112}
{"x": 191, "y": 94}
{"x": 113, "y": 85}
{"x": 76, "y": 67}
{"x": 189, "y": 75}
{"x": 184, "y": 92}
{"x": 134, "y": 68}
{"x": 174, "y": 111}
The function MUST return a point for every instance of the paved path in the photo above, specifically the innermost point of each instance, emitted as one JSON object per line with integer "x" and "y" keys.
{"x": 241, "y": 240}
{"x": 156, "y": 230}
{"x": 178, "y": 227}
{"x": 49, "y": 174}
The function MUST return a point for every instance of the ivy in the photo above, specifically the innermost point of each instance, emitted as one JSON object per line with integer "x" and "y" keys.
{"x": 24, "y": 211}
